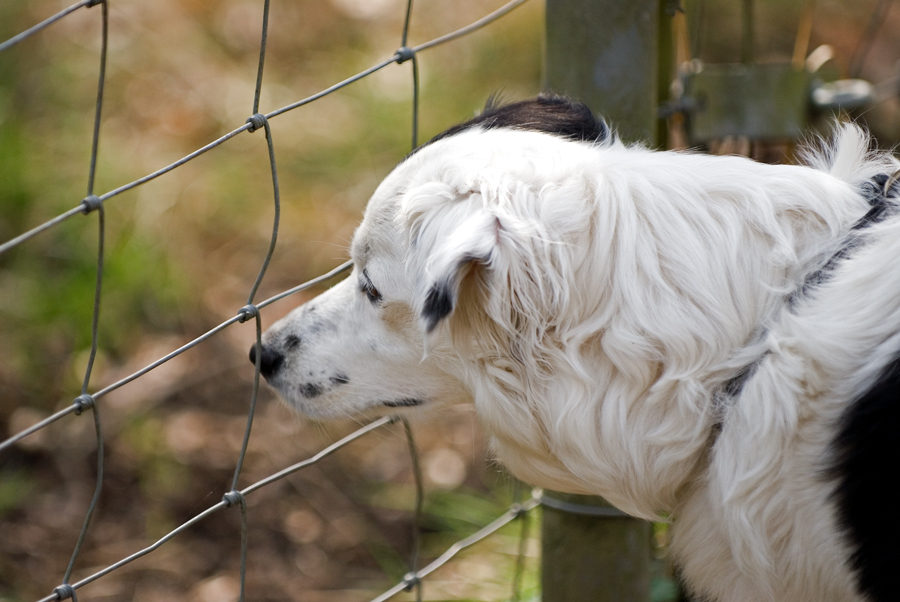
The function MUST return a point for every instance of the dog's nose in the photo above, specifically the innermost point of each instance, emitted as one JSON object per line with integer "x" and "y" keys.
{"x": 269, "y": 361}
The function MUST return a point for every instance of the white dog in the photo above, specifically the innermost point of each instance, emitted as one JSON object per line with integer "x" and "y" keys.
{"x": 706, "y": 337}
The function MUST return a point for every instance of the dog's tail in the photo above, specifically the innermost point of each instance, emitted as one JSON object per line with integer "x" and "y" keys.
{"x": 850, "y": 156}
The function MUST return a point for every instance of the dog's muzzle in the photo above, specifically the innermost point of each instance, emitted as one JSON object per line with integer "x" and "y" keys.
{"x": 269, "y": 362}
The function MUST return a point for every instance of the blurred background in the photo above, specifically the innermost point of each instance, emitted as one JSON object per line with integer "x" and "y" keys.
{"x": 184, "y": 249}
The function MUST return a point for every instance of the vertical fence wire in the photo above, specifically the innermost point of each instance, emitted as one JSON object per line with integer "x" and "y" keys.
{"x": 234, "y": 496}
{"x": 414, "y": 582}
{"x": 411, "y": 578}
{"x": 256, "y": 120}
{"x": 85, "y": 400}
{"x": 522, "y": 514}
{"x": 91, "y": 203}
{"x": 404, "y": 48}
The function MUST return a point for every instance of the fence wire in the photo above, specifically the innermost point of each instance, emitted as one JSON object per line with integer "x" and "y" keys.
{"x": 93, "y": 203}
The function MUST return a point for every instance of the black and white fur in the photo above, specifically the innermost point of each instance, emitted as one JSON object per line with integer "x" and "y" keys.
{"x": 706, "y": 338}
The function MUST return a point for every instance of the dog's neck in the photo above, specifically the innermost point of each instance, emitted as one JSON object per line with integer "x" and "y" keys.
{"x": 629, "y": 415}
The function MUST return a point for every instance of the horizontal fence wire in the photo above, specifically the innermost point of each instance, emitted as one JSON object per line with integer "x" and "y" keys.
{"x": 517, "y": 511}
{"x": 398, "y": 57}
{"x": 225, "y": 503}
{"x": 45, "y": 23}
{"x": 92, "y": 203}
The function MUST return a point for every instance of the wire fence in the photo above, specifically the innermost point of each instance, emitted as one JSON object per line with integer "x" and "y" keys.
{"x": 94, "y": 203}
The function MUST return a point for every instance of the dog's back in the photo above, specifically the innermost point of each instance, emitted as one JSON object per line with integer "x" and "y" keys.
{"x": 809, "y": 431}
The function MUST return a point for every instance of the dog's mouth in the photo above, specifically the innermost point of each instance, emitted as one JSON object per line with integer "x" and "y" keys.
{"x": 406, "y": 402}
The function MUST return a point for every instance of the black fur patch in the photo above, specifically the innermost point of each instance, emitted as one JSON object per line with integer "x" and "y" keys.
{"x": 880, "y": 203}
{"x": 730, "y": 390}
{"x": 548, "y": 113}
{"x": 734, "y": 385}
{"x": 877, "y": 196}
{"x": 440, "y": 299}
{"x": 438, "y": 305}
{"x": 310, "y": 390}
{"x": 867, "y": 452}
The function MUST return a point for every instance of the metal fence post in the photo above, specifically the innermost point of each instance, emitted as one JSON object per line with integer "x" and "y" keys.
{"x": 592, "y": 552}
{"x": 606, "y": 54}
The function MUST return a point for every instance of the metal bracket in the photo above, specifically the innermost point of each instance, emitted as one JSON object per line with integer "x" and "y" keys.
{"x": 773, "y": 101}
{"x": 583, "y": 509}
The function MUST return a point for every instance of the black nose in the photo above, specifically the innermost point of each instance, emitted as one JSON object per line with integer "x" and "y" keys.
{"x": 269, "y": 361}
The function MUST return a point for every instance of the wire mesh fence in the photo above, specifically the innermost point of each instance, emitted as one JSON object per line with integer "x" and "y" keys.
{"x": 90, "y": 401}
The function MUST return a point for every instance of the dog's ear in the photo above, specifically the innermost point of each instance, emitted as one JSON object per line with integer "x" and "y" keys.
{"x": 454, "y": 260}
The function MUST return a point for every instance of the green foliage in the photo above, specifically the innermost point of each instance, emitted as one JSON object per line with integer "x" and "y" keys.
{"x": 15, "y": 487}
{"x": 452, "y": 515}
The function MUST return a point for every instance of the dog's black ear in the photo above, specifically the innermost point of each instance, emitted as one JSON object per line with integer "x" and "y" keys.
{"x": 443, "y": 294}
{"x": 468, "y": 248}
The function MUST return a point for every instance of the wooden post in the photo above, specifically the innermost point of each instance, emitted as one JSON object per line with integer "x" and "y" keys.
{"x": 592, "y": 552}
{"x": 606, "y": 54}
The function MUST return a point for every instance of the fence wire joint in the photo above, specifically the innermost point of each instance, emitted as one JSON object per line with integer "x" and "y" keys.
{"x": 256, "y": 121}
{"x": 82, "y": 403}
{"x": 90, "y": 203}
{"x": 248, "y": 312}
{"x": 233, "y": 497}
{"x": 64, "y": 592}
{"x": 404, "y": 54}
{"x": 410, "y": 580}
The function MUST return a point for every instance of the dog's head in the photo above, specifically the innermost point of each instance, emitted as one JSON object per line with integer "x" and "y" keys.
{"x": 446, "y": 241}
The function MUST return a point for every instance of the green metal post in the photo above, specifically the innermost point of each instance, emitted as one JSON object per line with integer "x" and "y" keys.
{"x": 665, "y": 66}
{"x": 592, "y": 552}
{"x": 748, "y": 47}
{"x": 605, "y": 53}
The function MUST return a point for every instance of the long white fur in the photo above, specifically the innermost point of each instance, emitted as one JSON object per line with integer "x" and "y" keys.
{"x": 602, "y": 296}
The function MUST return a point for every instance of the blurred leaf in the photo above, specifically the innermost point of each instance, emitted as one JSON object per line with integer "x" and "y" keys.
{"x": 15, "y": 486}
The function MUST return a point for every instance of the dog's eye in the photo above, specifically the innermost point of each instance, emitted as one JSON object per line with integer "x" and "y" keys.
{"x": 369, "y": 289}
{"x": 372, "y": 293}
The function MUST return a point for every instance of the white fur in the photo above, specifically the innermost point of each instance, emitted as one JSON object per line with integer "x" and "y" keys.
{"x": 602, "y": 296}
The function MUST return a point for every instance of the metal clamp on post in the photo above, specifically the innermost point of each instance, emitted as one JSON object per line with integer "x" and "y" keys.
{"x": 410, "y": 581}
{"x": 583, "y": 509}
